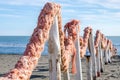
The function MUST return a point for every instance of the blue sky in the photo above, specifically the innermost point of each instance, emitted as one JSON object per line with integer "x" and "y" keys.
{"x": 19, "y": 17}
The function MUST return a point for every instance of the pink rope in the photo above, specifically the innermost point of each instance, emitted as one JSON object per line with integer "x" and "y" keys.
{"x": 26, "y": 64}
{"x": 70, "y": 50}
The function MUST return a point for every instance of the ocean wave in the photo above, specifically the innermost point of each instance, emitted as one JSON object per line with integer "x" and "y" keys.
{"x": 12, "y": 45}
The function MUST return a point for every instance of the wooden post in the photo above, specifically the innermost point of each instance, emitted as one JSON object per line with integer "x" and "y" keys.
{"x": 106, "y": 55}
{"x": 54, "y": 52}
{"x": 109, "y": 56}
{"x": 78, "y": 58}
{"x": 93, "y": 56}
{"x": 103, "y": 51}
{"x": 101, "y": 59}
{"x": 98, "y": 61}
{"x": 66, "y": 76}
{"x": 89, "y": 67}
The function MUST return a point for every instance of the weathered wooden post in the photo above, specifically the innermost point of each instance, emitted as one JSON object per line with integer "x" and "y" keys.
{"x": 98, "y": 61}
{"x": 109, "y": 56}
{"x": 66, "y": 75}
{"x": 54, "y": 52}
{"x": 93, "y": 56}
{"x": 78, "y": 58}
{"x": 106, "y": 54}
{"x": 106, "y": 57}
{"x": 101, "y": 58}
{"x": 89, "y": 65}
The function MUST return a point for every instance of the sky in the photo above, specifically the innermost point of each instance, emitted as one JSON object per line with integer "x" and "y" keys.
{"x": 19, "y": 17}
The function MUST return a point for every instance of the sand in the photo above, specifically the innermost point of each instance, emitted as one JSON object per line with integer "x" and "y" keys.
{"x": 41, "y": 72}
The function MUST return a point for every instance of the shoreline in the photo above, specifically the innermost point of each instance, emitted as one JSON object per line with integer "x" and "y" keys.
{"x": 41, "y": 72}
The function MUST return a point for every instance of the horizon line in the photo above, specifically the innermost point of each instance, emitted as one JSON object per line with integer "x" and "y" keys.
{"x": 31, "y": 35}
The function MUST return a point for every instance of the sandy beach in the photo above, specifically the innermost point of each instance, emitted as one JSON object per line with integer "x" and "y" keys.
{"x": 41, "y": 72}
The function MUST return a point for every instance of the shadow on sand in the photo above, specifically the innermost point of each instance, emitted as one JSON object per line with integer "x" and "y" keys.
{"x": 38, "y": 76}
{"x": 2, "y": 75}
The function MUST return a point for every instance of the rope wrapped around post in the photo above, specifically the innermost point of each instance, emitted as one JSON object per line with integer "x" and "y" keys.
{"x": 70, "y": 50}
{"x": 84, "y": 41}
{"x": 99, "y": 56}
{"x": 87, "y": 42}
{"x": 25, "y": 65}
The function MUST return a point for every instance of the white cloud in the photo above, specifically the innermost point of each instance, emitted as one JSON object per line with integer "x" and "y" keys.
{"x": 6, "y": 9}
{"x": 87, "y": 16}
{"x": 68, "y": 11}
{"x": 112, "y": 4}
{"x": 117, "y": 14}
{"x": 65, "y": 4}
{"x": 24, "y": 2}
{"x": 113, "y": 1}
{"x": 10, "y": 15}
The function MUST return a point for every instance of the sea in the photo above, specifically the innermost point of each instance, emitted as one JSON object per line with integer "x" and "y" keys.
{"x": 17, "y": 44}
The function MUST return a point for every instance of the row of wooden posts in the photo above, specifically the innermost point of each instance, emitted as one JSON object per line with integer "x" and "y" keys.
{"x": 50, "y": 15}
{"x": 95, "y": 63}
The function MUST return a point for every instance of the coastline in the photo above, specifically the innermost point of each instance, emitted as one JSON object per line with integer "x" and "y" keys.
{"x": 41, "y": 72}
